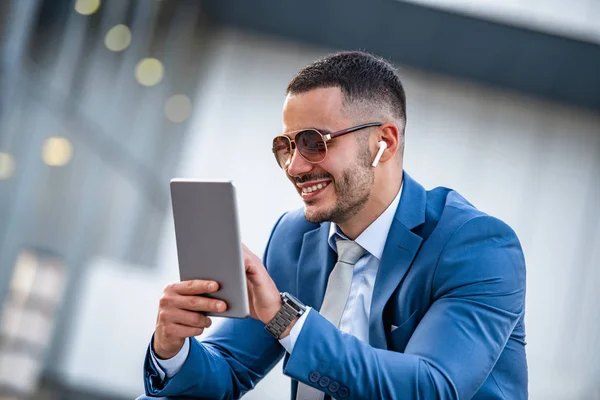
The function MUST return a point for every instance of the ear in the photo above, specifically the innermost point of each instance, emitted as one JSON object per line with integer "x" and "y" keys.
{"x": 389, "y": 133}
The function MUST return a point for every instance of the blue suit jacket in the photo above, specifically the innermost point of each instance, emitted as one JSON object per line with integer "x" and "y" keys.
{"x": 451, "y": 279}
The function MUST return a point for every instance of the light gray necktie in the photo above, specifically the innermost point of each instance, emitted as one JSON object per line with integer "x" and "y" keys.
{"x": 336, "y": 295}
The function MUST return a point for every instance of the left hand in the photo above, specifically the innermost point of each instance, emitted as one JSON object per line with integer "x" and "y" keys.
{"x": 263, "y": 295}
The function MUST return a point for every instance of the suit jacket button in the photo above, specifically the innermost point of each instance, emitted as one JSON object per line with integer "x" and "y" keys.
{"x": 325, "y": 381}
{"x": 343, "y": 392}
{"x": 314, "y": 377}
{"x": 334, "y": 387}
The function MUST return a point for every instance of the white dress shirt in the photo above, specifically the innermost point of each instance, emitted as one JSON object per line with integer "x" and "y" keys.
{"x": 355, "y": 317}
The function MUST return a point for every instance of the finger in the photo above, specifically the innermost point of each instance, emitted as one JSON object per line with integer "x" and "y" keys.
{"x": 247, "y": 258}
{"x": 252, "y": 262}
{"x": 255, "y": 271}
{"x": 198, "y": 303}
{"x": 192, "y": 319}
{"x": 177, "y": 331}
{"x": 170, "y": 300}
{"x": 197, "y": 286}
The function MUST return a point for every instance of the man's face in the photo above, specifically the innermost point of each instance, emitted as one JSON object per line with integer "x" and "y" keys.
{"x": 337, "y": 188}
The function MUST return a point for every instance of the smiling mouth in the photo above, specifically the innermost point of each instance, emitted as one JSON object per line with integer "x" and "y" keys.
{"x": 315, "y": 188}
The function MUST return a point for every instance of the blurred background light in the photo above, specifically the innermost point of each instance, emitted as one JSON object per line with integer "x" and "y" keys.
{"x": 87, "y": 7}
{"x": 118, "y": 38}
{"x": 178, "y": 108}
{"x": 57, "y": 151}
{"x": 7, "y": 166}
{"x": 27, "y": 320}
{"x": 21, "y": 287}
{"x": 24, "y": 273}
{"x": 149, "y": 72}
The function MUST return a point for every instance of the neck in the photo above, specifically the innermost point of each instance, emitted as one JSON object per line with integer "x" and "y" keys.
{"x": 384, "y": 191}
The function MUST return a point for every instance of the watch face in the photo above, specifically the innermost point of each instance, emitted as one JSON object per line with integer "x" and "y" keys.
{"x": 294, "y": 302}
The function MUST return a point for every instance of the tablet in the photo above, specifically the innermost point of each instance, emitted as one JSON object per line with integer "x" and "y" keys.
{"x": 208, "y": 240}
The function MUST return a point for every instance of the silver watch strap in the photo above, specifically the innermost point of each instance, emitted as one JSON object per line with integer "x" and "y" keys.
{"x": 283, "y": 319}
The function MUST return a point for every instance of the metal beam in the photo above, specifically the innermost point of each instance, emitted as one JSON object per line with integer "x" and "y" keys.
{"x": 540, "y": 64}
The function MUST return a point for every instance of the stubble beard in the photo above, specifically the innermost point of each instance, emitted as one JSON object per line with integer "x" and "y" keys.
{"x": 352, "y": 192}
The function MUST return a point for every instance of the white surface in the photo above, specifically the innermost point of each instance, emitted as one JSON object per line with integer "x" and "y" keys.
{"x": 532, "y": 163}
{"x": 578, "y": 19}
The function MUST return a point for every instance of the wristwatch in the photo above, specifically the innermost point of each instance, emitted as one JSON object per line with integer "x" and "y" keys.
{"x": 291, "y": 308}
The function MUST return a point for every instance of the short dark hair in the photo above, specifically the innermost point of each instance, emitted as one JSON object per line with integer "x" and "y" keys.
{"x": 360, "y": 76}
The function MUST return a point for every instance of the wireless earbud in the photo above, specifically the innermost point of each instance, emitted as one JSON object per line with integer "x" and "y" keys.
{"x": 382, "y": 147}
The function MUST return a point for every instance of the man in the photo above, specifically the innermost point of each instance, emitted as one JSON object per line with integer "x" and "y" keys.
{"x": 391, "y": 291}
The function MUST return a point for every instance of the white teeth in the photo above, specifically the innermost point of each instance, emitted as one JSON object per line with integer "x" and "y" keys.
{"x": 314, "y": 188}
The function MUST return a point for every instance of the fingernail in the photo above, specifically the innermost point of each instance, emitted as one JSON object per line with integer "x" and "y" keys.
{"x": 220, "y": 306}
{"x": 212, "y": 286}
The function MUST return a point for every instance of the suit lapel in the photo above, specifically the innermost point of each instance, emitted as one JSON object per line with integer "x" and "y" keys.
{"x": 400, "y": 249}
{"x": 314, "y": 266}
{"x": 317, "y": 259}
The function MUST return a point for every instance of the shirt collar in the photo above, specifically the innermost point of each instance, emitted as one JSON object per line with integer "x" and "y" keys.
{"x": 373, "y": 238}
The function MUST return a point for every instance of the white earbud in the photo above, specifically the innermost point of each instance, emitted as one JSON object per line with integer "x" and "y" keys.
{"x": 382, "y": 147}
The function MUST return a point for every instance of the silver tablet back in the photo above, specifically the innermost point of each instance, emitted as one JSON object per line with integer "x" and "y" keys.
{"x": 208, "y": 240}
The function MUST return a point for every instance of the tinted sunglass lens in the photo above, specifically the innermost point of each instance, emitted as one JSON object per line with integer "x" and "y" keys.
{"x": 282, "y": 149}
{"x": 311, "y": 145}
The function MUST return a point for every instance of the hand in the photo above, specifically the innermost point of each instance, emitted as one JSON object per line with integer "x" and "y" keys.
{"x": 263, "y": 296}
{"x": 180, "y": 315}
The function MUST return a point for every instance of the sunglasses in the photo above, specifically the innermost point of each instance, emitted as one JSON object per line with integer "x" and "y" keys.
{"x": 311, "y": 144}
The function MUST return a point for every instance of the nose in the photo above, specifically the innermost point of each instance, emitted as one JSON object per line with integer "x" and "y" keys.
{"x": 298, "y": 165}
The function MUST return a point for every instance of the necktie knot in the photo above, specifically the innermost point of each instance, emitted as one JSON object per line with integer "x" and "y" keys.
{"x": 349, "y": 251}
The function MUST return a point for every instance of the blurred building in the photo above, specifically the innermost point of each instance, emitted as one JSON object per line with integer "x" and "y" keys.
{"x": 103, "y": 101}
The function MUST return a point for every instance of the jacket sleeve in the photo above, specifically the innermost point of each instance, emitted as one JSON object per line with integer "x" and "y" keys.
{"x": 225, "y": 365}
{"x": 478, "y": 297}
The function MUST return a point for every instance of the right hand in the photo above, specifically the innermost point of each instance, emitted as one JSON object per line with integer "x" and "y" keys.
{"x": 180, "y": 315}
